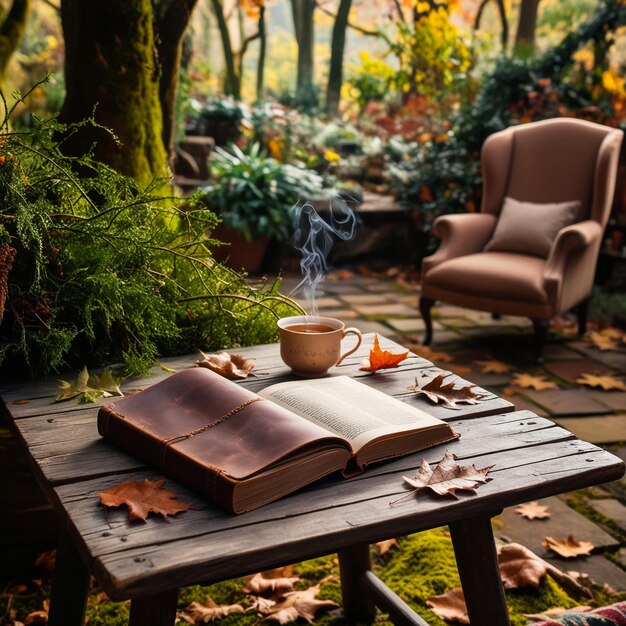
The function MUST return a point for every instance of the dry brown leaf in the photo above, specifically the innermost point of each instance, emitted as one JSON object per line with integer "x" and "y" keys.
{"x": 606, "y": 382}
{"x": 384, "y": 546}
{"x": 438, "y": 392}
{"x": 197, "y": 613}
{"x": 493, "y": 367}
{"x": 612, "y": 333}
{"x": 568, "y": 548}
{"x": 427, "y": 353}
{"x": 447, "y": 478}
{"x": 382, "y": 359}
{"x": 532, "y": 382}
{"x": 278, "y": 572}
{"x": 298, "y": 604}
{"x": 231, "y": 366}
{"x": 142, "y": 498}
{"x": 259, "y": 584}
{"x": 38, "y": 617}
{"x": 602, "y": 342}
{"x": 450, "y": 606}
{"x": 461, "y": 370}
{"x": 533, "y": 510}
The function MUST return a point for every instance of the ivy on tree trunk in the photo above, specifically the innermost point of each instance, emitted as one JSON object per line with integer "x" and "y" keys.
{"x": 112, "y": 73}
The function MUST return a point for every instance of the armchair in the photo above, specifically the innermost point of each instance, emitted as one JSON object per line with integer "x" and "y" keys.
{"x": 532, "y": 250}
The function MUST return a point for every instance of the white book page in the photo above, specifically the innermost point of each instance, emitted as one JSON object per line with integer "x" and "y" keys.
{"x": 348, "y": 408}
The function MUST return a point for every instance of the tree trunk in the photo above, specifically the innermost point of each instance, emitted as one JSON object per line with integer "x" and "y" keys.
{"x": 260, "y": 72}
{"x": 504, "y": 22}
{"x": 171, "y": 24}
{"x": 303, "y": 11}
{"x": 111, "y": 73}
{"x": 11, "y": 31}
{"x": 337, "y": 46}
{"x": 232, "y": 85}
{"x": 525, "y": 37}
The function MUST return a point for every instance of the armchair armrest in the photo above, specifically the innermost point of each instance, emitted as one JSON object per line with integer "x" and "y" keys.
{"x": 460, "y": 234}
{"x": 568, "y": 255}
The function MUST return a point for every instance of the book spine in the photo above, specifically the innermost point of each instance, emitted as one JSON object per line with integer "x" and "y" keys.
{"x": 153, "y": 451}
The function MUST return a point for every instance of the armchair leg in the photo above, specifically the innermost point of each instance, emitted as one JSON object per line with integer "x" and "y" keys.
{"x": 425, "y": 306}
{"x": 541, "y": 333}
{"x": 581, "y": 312}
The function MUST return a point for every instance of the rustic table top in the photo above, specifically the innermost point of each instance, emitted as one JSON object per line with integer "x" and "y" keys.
{"x": 532, "y": 458}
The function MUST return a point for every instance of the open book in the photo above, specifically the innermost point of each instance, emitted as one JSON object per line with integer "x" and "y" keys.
{"x": 244, "y": 450}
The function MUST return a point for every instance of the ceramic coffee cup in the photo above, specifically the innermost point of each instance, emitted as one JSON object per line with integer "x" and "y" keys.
{"x": 310, "y": 345}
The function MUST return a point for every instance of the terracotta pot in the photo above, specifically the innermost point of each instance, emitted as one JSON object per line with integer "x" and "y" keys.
{"x": 239, "y": 254}
{"x": 7, "y": 254}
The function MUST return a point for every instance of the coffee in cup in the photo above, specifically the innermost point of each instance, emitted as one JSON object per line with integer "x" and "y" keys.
{"x": 310, "y": 345}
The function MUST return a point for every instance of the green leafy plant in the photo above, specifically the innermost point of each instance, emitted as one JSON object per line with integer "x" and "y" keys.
{"x": 106, "y": 272}
{"x": 254, "y": 193}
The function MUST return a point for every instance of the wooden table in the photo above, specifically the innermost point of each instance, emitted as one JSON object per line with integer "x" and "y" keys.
{"x": 532, "y": 458}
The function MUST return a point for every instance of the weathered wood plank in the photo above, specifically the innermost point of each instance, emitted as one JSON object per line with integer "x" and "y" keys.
{"x": 227, "y": 554}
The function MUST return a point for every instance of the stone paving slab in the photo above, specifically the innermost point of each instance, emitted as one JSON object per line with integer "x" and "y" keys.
{"x": 447, "y": 310}
{"x": 385, "y": 310}
{"x": 570, "y": 370}
{"x": 598, "y": 429}
{"x": 305, "y": 303}
{"x": 564, "y": 521}
{"x": 610, "y": 508}
{"x": 615, "y": 400}
{"x": 523, "y": 404}
{"x": 598, "y": 568}
{"x": 411, "y": 324}
{"x": 610, "y": 358}
{"x": 557, "y": 351}
{"x": 366, "y": 298}
{"x": 367, "y": 326}
{"x": 457, "y": 322}
{"x": 561, "y": 402}
{"x": 340, "y": 314}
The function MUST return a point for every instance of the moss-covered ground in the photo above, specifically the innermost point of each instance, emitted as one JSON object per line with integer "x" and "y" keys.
{"x": 418, "y": 567}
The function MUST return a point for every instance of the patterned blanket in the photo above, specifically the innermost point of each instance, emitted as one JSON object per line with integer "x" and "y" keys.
{"x": 614, "y": 615}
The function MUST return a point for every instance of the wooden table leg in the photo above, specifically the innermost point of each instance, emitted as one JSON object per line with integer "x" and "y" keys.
{"x": 70, "y": 584}
{"x": 156, "y": 610}
{"x": 353, "y": 563}
{"x": 477, "y": 562}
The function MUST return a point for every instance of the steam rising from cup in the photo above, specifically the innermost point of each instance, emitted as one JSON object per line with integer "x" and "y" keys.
{"x": 314, "y": 237}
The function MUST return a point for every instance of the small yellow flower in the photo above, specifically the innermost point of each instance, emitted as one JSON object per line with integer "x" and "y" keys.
{"x": 331, "y": 156}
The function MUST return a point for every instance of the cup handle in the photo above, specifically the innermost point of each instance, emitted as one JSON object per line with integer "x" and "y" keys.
{"x": 350, "y": 331}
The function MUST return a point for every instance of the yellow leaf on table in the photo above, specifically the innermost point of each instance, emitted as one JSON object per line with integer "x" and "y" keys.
{"x": 606, "y": 382}
{"x": 535, "y": 382}
{"x": 568, "y": 548}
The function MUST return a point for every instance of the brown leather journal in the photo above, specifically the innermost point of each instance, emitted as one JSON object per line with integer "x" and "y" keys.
{"x": 243, "y": 450}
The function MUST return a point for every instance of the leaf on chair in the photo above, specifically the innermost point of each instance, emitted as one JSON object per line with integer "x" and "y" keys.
{"x": 447, "y": 478}
{"x": 602, "y": 342}
{"x": 450, "y": 606}
{"x": 197, "y": 613}
{"x": 446, "y": 394}
{"x": 606, "y": 382}
{"x": 533, "y": 382}
{"x": 259, "y": 584}
{"x": 533, "y": 510}
{"x": 297, "y": 604}
{"x": 568, "y": 548}
{"x": 231, "y": 366}
{"x": 142, "y": 498}
{"x": 382, "y": 359}
{"x": 493, "y": 367}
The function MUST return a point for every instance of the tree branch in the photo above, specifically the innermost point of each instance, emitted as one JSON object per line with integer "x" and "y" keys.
{"x": 352, "y": 25}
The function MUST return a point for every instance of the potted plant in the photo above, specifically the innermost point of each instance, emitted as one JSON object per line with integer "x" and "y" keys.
{"x": 221, "y": 119}
{"x": 254, "y": 194}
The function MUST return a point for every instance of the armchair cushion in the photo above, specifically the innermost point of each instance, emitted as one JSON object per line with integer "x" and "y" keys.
{"x": 530, "y": 228}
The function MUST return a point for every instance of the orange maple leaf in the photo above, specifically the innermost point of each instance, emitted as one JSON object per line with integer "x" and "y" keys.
{"x": 142, "y": 498}
{"x": 568, "y": 548}
{"x": 533, "y": 510}
{"x": 381, "y": 359}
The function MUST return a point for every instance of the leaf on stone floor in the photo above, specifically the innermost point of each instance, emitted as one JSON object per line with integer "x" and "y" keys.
{"x": 568, "y": 548}
{"x": 432, "y": 355}
{"x": 602, "y": 342}
{"x": 446, "y": 394}
{"x": 529, "y": 381}
{"x": 461, "y": 370}
{"x": 259, "y": 585}
{"x": 533, "y": 510}
{"x": 297, "y": 604}
{"x": 606, "y": 382}
{"x": 450, "y": 606}
{"x": 340, "y": 275}
{"x": 231, "y": 366}
{"x": 612, "y": 333}
{"x": 493, "y": 367}
{"x": 554, "y": 614}
{"x": 447, "y": 478}
{"x": 384, "y": 546}
{"x": 88, "y": 387}
{"x": 142, "y": 498}
{"x": 382, "y": 359}
{"x": 197, "y": 613}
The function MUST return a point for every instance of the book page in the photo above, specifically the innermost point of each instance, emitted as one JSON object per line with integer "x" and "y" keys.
{"x": 349, "y": 408}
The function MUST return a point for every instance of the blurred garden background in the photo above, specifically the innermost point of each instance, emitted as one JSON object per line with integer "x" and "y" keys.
{"x": 139, "y": 136}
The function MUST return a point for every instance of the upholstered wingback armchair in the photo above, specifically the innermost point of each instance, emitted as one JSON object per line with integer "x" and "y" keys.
{"x": 532, "y": 250}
